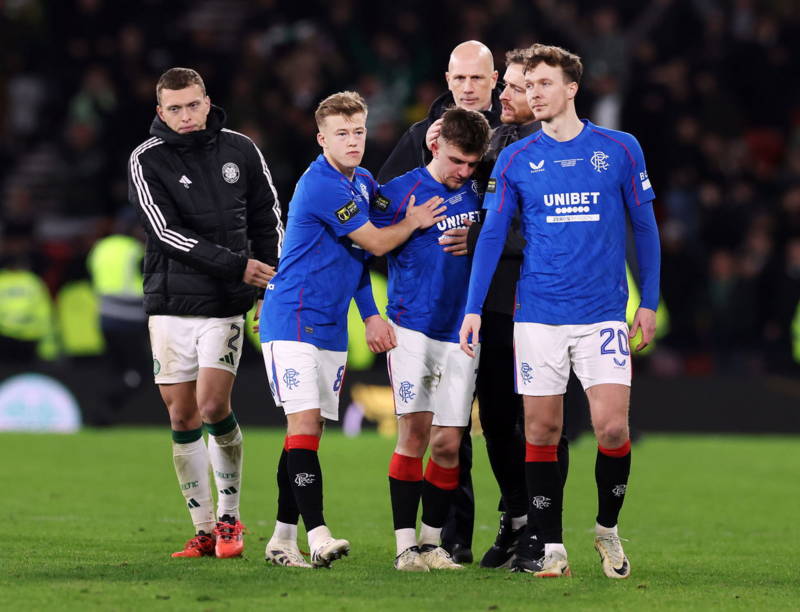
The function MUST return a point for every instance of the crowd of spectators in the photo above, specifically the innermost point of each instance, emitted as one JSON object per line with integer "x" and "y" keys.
{"x": 705, "y": 85}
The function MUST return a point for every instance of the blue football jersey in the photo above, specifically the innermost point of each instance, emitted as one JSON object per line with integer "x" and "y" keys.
{"x": 427, "y": 286}
{"x": 320, "y": 267}
{"x": 572, "y": 197}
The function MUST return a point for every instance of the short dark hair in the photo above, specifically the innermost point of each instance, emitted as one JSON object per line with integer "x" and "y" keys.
{"x": 517, "y": 56}
{"x": 347, "y": 103}
{"x": 179, "y": 78}
{"x": 466, "y": 129}
{"x": 554, "y": 56}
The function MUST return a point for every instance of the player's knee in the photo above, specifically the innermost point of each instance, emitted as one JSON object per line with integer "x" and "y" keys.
{"x": 213, "y": 411}
{"x": 444, "y": 450}
{"x": 543, "y": 432}
{"x": 612, "y": 434}
{"x": 414, "y": 440}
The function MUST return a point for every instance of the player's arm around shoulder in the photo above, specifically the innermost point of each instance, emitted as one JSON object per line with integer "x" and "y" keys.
{"x": 380, "y": 241}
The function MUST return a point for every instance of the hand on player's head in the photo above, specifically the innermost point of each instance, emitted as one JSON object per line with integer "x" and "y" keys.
{"x": 426, "y": 214}
{"x": 433, "y": 133}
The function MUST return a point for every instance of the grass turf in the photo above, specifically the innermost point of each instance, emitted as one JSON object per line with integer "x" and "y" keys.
{"x": 91, "y": 519}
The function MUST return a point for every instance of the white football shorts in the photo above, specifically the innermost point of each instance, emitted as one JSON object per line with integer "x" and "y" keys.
{"x": 183, "y": 345}
{"x": 432, "y": 376}
{"x": 304, "y": 377}
{"x": 599, "y": 353}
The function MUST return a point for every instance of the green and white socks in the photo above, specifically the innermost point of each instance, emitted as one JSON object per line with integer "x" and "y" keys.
{"x": 192, "y": 460}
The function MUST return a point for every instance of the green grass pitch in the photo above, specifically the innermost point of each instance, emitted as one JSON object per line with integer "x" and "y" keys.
{"x": 91, "y": 519}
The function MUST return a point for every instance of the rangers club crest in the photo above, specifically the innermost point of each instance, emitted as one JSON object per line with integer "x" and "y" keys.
{"x": 230, "y": 172}
{"x": 599, "y": 161}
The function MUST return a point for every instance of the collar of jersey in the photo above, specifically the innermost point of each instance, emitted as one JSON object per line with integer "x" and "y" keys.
{"x": 329, "y": 168}
{"x": 584, "y": 133}
{"x": 429, "y": 177}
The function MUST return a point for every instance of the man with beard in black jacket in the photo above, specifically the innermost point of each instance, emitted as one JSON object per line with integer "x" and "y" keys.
{"x": 471, "y": 80}
{"x": 205, "y": 197}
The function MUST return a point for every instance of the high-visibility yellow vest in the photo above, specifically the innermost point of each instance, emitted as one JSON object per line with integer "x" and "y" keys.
{"x": 78, "y": 315}
{"x": 115, "y": 266}
{"x": 26, "y": 310}
{"x": 796, "y": 334}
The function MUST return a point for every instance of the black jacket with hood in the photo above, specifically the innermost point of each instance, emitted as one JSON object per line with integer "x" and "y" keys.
{"x": 207, "y": 202}
{"x": 411, "y": 151}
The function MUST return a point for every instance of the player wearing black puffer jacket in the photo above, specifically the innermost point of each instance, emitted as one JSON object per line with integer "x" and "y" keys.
{"x": 212, "y": 217}
{"x": 201, "y": 196}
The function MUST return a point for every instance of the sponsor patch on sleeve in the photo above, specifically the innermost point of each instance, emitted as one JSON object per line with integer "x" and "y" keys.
{"x": 346, "y": 212}
{"x": 646, "y": 184}
{"x": 381, "y": 203}
{"x": 491, "y": 186}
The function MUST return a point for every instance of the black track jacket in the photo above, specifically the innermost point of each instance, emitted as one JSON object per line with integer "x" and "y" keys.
{"x": 411, "y": 152}
{"x": 207, "y": 203}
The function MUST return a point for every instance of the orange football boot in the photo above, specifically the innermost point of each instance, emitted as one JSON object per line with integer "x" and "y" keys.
{"x": 201, "y": 545}
{"x": 230, "y": 538}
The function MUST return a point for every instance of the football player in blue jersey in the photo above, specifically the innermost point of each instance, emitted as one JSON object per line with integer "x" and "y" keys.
{"x": 574, "y": 184}
{"x": 432, "y": 380}
{"x": 304, "y": 317}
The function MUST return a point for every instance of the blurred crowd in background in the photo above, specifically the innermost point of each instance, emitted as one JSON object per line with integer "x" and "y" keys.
{"x": 705, "y": 85}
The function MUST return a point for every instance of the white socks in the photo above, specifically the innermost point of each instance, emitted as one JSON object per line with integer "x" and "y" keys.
{"x": 191, "y": 465}
{"x": 429, "y": 535}
{"x": 225, "y": 452}
{"x": 406, "y": 538}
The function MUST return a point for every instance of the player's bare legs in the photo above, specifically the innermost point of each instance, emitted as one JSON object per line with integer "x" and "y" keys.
{"x": 608, "y": 404}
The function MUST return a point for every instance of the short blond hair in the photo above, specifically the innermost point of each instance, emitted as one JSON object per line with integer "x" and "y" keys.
{"x": 347, "y": 103}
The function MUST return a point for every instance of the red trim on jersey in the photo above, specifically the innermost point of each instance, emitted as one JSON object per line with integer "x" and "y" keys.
{"x": 304, "y": 442}
{"x": 620, "y": 143}
{"x": 540, "y": 454}
{"x": 374, "y": 182}
{"x": 299, "y": 308}
{"x": 403, "y": 467}
{"x": 511, "y": 159}
{"x": 635, "y": 192}
{"x": 441, "y": 477}
{"x": 401, "y": 310}
{"x": 616, "y": 452}
{"x": 404, "y": 201}
{"x": 633, "y": 162}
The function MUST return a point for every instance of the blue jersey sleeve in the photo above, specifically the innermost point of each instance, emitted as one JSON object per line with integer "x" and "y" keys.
{"x": 363, "y": 296}
{"x": 635, "y": 183}
{"x": 639, "y": 194}
{"x": 383, "y": 208}
{"x": 334, "y": 204}
{"x": 389, "y": 206}
{"x": 500, "y": 202}
{"x": 648, "y": 253}
{"x": 487, "y": 254}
